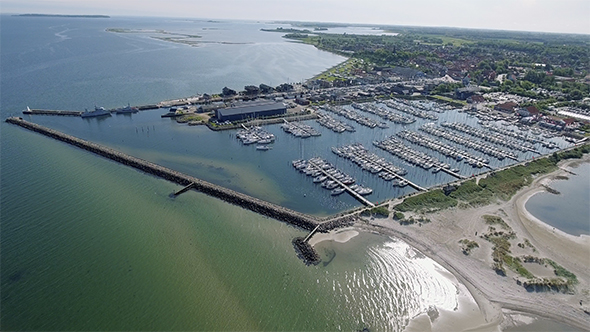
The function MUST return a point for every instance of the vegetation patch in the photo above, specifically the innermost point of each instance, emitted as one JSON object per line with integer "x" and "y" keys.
{"x": 410, "y": 221}
{"x": 472, "y": 194}
{"x": 427, "y": 202}
{"x": 379, "y": 211}
{"x": 495, "y": 220}
{"x": 560, "y": 271}
{"x": 468, "y": 246}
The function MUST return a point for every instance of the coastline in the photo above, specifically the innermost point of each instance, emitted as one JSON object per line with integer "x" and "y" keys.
{"x": 499, "y": 297}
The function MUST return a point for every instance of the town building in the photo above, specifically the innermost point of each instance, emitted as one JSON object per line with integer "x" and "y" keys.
{"x": 250, "y": 110}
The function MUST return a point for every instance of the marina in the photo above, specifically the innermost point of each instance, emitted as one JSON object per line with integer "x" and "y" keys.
{"x": 299, "y": 129}
{"x": 336, "y": 126}
{"x": 496, "y": 138}
{"x": 409, "y": 109}
{"x": 330, "y": 178}
{"x": 372, "y": 163}
{"x": 488, "y": 149}
{"x": 444, "y": 149}
{"x": 385, "y": 114}
{"x": 355, "y": 116}
{"x": 254, "y": 134}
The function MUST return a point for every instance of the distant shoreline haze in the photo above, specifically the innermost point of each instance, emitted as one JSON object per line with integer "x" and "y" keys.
{"x": 61, "y": 15}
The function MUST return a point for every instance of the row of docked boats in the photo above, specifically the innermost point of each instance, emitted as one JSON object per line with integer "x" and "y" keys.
{"x": 445, "y": 149}
{"x": 428, "y": 106}
{"x": 355, "y": 116}
{"x": 414, "y": 157}
{"x": 300, "y": 129}
{"x": 384, "y": 113}
{"x": 409, "y": 109}
{"x": 510, "y": 132}
{"x": 488, "y": 149}
{"x": 329, "y": 177}
{"x": 369, "y": 161}
{"x": 257, "y": 135}
{"x": 336, "y": 126}
{"x": 522, "y": 136}
{"x": 486, "y": 135}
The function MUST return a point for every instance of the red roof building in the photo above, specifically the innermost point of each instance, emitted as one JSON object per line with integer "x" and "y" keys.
{"x": 506, "y": 107}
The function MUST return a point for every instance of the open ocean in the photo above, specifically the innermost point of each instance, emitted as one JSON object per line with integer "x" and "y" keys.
{"x": 89, "y": 244}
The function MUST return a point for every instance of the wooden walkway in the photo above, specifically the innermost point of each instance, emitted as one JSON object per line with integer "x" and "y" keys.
{"x": 185, "y": 189}
{"x": 347, "y": 188}
{"x": 457, "y": 175}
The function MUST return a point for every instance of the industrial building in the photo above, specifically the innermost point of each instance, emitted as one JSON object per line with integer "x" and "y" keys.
{"x": 250, "y": 110}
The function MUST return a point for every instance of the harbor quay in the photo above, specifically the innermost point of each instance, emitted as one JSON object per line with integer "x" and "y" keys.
{"x": 259, "y": 206}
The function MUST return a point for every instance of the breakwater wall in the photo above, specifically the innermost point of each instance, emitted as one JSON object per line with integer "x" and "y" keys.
{"x": 248, "y": 202}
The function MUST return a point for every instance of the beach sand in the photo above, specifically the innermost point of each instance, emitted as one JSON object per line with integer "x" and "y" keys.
{"x": 499, "y": 297}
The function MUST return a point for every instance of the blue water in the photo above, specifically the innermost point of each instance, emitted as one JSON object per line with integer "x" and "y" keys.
{"x": 569, "y": 211}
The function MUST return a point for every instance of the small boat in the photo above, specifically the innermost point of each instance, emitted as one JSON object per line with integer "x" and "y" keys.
{"x": 319, "y": 179}
{"x": 262, "y": 147}
{"x": 337, "y": 191}
{"x": 332, "y": 186}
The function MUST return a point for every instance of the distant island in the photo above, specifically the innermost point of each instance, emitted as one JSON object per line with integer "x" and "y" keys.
{"x": 59, "y": 15}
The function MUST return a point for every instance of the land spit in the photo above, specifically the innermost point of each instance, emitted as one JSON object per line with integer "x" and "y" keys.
{"x": 259, "y": 206}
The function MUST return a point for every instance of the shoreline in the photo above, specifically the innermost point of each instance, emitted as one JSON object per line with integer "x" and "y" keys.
{"x": 498, "y": 297}
{"x": 537, "y": 188}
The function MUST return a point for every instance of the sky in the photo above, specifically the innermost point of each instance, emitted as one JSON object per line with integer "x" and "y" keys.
{"x": 569, "y": 16}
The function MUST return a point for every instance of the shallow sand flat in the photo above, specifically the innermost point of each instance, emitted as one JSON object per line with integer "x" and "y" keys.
{"x": 339, "y": 235}
{"x": 439, "y": 240}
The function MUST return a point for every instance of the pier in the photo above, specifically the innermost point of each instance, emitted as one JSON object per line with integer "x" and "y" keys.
{"x": 52, "y": 112}
{"x": 248, "y": 202}
{"x": 347, "y": 188}
{"x": 185, "y": 189}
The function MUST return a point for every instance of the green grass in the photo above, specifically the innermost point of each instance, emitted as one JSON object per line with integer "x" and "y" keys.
{"x": 506, "y": 183}
{"x": 472, "y": 194}
{"x": 428, "y": 201}
{"x": 450, "y": 100}
{"x": 560, "y": 271}
{"x": 515, "y": 264}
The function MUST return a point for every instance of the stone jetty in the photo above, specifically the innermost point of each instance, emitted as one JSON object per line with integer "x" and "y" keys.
{"x": 248, "y": 202}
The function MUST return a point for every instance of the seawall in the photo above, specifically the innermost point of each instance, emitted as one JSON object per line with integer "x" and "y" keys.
{"x": 248, "y": 202}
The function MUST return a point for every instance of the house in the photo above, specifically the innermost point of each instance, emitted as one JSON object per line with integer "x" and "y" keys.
{"x": 533, "y": 111}
{"x": 507, "y": 107}
{"x": 475, "y": 99}
{"x": 464, "y": 93}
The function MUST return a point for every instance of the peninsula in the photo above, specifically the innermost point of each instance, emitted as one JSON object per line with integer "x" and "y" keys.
{"x": 62, "y": 15}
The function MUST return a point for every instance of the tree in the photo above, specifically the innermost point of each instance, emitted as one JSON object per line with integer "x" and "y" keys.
{"x": 226, "y": 92}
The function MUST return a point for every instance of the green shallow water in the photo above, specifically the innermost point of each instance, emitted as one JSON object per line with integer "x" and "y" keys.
{"x": 89, "y": 244}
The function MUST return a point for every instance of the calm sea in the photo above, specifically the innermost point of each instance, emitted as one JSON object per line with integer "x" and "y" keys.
{"x": 568, "y": 211}
{"x": 88, "y": 244}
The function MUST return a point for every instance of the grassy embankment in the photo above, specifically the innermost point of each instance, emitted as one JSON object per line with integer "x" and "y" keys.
{"x": 500, "y": 185}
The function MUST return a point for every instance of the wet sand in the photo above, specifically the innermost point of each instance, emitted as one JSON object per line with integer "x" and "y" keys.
{"x": 493, "y": 293}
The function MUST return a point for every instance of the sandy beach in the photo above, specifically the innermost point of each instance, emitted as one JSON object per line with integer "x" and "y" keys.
{"x": 501, "y": 301}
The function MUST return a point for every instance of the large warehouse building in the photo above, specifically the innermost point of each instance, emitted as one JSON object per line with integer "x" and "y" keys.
{"x": 250, "y": 110}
